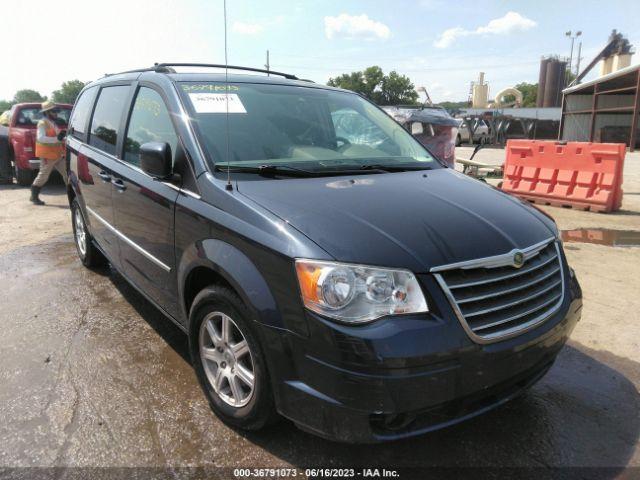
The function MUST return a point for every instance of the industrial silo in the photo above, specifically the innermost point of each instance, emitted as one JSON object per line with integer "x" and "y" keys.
{"x": 542, "y": 78}
{"x": 554, "y": 82}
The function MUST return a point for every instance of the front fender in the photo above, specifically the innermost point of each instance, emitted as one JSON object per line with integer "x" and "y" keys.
{"x": 238, "y": 270}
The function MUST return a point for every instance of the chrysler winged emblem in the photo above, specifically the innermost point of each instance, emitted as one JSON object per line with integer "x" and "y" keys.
{"x": 518, "y": 259}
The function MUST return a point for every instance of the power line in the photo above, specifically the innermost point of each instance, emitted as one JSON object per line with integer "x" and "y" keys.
{"x": 418, "y": 70}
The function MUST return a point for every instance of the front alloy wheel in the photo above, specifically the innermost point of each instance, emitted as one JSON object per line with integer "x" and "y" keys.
{"x": 226, "y": 359}
{"x": 229, "y": 360}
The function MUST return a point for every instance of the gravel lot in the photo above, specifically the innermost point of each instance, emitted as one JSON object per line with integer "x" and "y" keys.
{"x": 94, "y": 376}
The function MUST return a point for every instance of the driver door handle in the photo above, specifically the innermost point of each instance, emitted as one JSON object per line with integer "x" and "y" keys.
{"x": 119, "y": 184}
{"x": 104, "y": 176}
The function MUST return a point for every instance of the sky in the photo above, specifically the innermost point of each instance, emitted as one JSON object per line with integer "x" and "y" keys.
{"x": 440, "y": 44}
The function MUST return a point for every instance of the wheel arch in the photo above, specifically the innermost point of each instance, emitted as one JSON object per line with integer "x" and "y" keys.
{"x": 71, "y": 193}
{"x": 214, "y": 261}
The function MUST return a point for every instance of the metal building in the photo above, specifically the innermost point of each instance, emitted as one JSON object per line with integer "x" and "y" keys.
{"x": 603, "y": 110}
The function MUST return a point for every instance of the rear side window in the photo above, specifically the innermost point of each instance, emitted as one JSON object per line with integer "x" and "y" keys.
{"x": 82, "y": 112}
{"x": 150, "y": 122}
{"x": 28, "y": 117}
{"x": 106, "y": 118}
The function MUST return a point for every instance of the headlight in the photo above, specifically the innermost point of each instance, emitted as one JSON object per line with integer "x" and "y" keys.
{"x": 356, "y": 293}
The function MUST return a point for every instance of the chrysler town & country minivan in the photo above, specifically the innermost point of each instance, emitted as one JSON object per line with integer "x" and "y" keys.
{"x": 346, "y": 280}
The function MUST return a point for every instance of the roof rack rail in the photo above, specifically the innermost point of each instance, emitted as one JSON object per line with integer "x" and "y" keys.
{"x": 135, "y": 70}
{"x": 167, "y": 68}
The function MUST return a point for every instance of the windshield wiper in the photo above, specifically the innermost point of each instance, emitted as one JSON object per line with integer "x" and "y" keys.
{"x": 395, "y": 168}
{"x": 270, "y": 170}
{"x": 267, "y": 170}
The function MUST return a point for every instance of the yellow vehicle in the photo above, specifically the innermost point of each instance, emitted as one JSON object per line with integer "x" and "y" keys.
{"x": 4, "y": 118}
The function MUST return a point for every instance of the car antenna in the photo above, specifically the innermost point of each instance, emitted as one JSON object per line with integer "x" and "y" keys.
{"x": 229, "y": 186}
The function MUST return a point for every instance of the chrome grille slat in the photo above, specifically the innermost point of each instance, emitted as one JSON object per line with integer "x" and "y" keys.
{"x": 536, "y": 294}
{"x": 517, "y": 273}
{"x": 494, "y": 300}
{"x": 516, "y": 317}
{"x": 509, "y": 290}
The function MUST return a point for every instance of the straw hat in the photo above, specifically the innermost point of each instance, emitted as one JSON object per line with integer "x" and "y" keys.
{"x": 47, "y": 105}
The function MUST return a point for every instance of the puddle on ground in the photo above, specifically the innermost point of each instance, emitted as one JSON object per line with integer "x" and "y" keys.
{"x": 603, "y": 236}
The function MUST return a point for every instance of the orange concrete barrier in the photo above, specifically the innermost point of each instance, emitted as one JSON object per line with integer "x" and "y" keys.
{"x": 582, "y": 175}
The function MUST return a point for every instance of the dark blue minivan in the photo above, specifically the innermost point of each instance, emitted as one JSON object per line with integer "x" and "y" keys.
{"x": 325, "y": 266}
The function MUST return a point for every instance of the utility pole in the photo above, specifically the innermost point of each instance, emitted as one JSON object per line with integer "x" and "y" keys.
{"x": 578, "y": 59}
{"x": 573, "y": 38}
{"x": 266, "y": 65}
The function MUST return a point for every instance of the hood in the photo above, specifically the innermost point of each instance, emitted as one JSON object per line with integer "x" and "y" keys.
{"x": 414, "y": 220}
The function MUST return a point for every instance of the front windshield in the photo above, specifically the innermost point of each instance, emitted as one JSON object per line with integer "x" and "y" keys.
{"x": 297, "y": 127}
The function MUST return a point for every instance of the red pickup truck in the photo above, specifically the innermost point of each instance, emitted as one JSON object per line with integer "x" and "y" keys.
{"x": 23, "y": 121}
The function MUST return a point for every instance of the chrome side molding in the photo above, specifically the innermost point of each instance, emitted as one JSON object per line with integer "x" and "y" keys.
{"x": 129, "y": 242}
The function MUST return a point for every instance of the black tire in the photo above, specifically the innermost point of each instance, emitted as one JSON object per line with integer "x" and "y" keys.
{"x": 259, "y": 411}
{"x": 458, "y": 140}
{"x": 88, "y": 253}
{"x": 24, "y": 177}
{"x": 6, "y": 170}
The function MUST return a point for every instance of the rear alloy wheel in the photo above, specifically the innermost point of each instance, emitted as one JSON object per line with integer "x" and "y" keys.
{"x": 88, "y": 253}
{"x": 80, "y": 233}
{"x": 228, "y": 359}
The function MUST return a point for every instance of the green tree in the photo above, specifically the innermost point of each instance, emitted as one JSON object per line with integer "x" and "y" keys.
{"x": 27, "y": 95}
{"x": 5, "y": 105}
{"x": 392, "y": 89}
{"x": 68, "y": 92}
{"x": 568, "y": 77}
{"x": 349, "y": 81}
{"x": 373, "y": 77}
{"x": 453, "y": 106}
{"x": 397, "y": 89}
{"x": 529, "y": 93}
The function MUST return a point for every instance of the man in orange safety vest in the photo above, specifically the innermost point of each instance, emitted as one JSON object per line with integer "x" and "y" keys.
{"x": 49, "y": 149}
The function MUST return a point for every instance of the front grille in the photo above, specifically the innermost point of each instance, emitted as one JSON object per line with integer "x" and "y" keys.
{"x": 494, "y": 299}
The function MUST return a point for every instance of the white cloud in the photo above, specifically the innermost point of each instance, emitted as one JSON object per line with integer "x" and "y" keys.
{"x": 257, "y": 26}
{"x": 511, "y": 22}
{"x": 247, "y": 28}
{"x": 355, "y": 26}
{"x": 449, "y": 36}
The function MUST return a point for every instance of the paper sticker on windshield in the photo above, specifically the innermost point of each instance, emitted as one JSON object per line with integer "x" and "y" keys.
{"x": 210, "y": 87}
{"x": 216, "y": 102}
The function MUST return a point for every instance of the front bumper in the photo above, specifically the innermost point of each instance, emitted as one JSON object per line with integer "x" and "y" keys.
{"x": 404, "y": 376}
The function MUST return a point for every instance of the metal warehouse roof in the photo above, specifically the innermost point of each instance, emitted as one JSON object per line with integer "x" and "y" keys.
{"x": 610, "y": 76}
{"x": 552, "y": 113}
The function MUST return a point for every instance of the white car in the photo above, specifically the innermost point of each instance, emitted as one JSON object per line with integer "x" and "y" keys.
{"x": 481, "y": 134}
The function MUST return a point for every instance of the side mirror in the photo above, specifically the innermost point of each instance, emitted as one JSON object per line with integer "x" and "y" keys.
{"x": 416, "y": 128}
{"x": 155, "y": 159}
